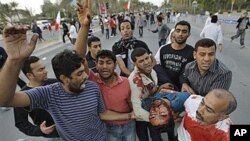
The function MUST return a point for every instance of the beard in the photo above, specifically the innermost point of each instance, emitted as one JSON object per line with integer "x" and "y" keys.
{"x": 181, "y": 42}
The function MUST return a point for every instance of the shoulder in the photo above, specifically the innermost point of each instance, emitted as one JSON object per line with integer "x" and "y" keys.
{"x": 222, "y": 67}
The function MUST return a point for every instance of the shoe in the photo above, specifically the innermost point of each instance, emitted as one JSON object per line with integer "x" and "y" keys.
{"x": 243, "y": 46}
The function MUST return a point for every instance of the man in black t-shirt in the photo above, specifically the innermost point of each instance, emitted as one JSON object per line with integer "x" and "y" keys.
{"x": 43, "y": 125}
{"x": 124, "y": 47}
{"x": 174, "y": 57}
{"x": 94, "y": 46}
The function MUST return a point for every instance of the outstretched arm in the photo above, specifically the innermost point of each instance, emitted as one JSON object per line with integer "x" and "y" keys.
{"x": 18, "y": 49}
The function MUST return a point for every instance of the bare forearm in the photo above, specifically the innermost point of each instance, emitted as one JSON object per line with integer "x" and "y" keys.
{"x": 81, "y": 41}
{"x": 111, "y": 115}
{"x": 9, "y": 76}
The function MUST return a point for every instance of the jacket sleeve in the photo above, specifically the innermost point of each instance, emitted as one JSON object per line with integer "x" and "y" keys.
{"x": 23, "y": 124}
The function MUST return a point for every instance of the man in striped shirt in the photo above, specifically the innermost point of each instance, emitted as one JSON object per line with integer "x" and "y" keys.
{"x": 206, "y": 72}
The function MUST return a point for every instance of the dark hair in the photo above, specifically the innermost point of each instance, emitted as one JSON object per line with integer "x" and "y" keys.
{"x": 126, "y": 21}
{"x": 106, "y": 53}
{"x": 65, "y": 63}
{"x": 185, "y": 23}
{"x": 27, "y": 64}
{"x": 222, "y": 94}
{"x": 214, "y": 19}
{"x": 205, "y": 43}
{"x": 137, "y": 52}
{"x": 3, "y": 57}
{"x": 159, "y": 18}
{"x": 92, "y": 39}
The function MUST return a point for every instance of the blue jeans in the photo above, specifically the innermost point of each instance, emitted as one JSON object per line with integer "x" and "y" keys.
{"x": 123, "y": 132}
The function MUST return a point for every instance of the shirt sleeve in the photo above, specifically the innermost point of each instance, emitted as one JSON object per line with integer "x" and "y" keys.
{"x": 23, "y": 124}
{"x": 101, "y": 106}
{"x": 39, "y": 97}
{"x": 223, "y": 82}
{"x": 136, "y": 101}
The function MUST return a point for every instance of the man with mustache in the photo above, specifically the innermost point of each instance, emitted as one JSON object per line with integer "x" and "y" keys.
{"x": 206, "y": 72}
{"x": 143, "y": 83}
{"x": 36, "y": 72}
{"x": 204, "y": 118}
{"x": 207, "y": 117}
{"x": 173, "y": 57}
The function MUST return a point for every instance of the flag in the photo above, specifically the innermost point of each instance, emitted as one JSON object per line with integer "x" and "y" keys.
{"x": 102, "y": 8}
{"x": 58, "y": 20}
{"x": 127, "y": 6}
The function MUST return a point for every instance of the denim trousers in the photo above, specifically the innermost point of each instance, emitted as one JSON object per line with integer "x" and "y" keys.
{"x": 123, "y": 132}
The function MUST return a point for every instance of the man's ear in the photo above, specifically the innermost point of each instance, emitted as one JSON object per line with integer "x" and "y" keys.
{"x": 64, "y": 79}
{"x": 29, "y": 75}
{"x": 194, "y": 54}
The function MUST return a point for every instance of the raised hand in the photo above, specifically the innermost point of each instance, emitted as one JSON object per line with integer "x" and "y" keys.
{"x": 84, "y": 12}
{"x": 16, "y": 44}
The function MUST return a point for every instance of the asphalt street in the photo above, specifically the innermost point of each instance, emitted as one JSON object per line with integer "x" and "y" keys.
{"x": 235, "y": 58}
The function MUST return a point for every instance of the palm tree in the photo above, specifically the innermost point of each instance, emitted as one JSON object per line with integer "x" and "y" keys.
{"x": 13, "y": 6}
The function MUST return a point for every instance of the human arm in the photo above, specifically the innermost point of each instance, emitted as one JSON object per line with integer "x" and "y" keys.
{"x": 202, "y": 34}
{"x": 111, "y": 115}
{"x": 25, "y": 126}
{"x": 84, "y": 16}
{"x": 140, "y": 113}
{"x": 185, "y": 84}
{"x": 122, "y": 66}
{"x": 18, "y": 49}
{"x": 223, "y": 81}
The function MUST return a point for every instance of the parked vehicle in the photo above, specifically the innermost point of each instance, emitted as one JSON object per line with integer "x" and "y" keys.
{"x": 43, "y": 24}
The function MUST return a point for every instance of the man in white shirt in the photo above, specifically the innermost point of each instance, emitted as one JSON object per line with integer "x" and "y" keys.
{"x": 72, "y": 33}
{"x": 213, "y": 31}
{"x": 207, "y": 117}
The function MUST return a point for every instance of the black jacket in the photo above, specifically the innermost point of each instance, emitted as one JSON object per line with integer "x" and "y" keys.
{"x": 37, "y": 115}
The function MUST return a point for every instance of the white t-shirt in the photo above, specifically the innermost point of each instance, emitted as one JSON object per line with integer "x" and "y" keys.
{"x": 72, "y": 32}
{"x": 190, "y": 130}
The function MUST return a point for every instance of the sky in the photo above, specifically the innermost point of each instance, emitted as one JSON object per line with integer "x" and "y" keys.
{"x": 156, "y": 2}
{"x": 35, "y": 5}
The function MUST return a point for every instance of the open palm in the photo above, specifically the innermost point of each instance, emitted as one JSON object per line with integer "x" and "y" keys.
{"x": 16, "y": 44}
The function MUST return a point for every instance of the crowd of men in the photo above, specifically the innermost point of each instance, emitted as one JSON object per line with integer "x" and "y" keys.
{"x": 89, "y": 100}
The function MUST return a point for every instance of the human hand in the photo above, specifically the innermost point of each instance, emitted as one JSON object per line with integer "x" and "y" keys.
{"x": 84, "y": 12}
{"x": 16, "y": 44}
{"x": 166, "y": 86}
{"x": 47, "y": 130}
{"x": 186, "y": 88}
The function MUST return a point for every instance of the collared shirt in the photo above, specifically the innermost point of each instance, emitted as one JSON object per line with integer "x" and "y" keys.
{"x": 140, "y": 91}
{"x": 191, "y": 130}
{"x": 218, "y": 76}
{"x": 213, "y": 31}
{"x": 116, "y": 96}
